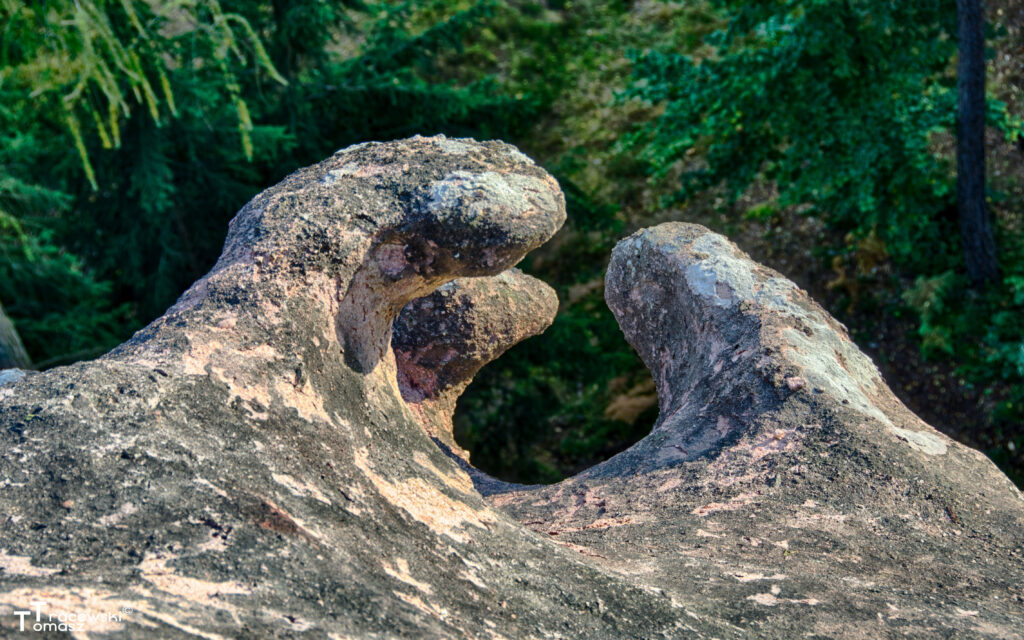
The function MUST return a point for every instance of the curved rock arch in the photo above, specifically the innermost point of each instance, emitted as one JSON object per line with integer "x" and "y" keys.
{"x": 247, "y": 464}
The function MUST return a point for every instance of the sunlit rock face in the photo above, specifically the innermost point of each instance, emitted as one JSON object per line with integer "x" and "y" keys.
{"x": 273, "y": 456}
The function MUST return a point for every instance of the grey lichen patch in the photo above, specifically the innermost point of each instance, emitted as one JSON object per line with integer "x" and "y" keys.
{"x": 483, "y": 199}
{"x": 929, "y": 443}
{"x": 9, "y": 376}
{"x": 817, "y": 363}
{"x": 333, "y": 175}
{"x": 518, "y": 156}
{"x": 720, "y": 264}
{"x": 457, "y": 146}
{"x": 720, "y": 277}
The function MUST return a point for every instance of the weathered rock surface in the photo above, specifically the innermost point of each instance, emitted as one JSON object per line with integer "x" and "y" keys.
{"x": 12, "y": 351}
{"x": 258, "y": 463}
{"x": 441, "y": 340}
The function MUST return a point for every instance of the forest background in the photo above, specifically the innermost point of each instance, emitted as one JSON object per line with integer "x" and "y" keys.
{"x": 820, "y": 135}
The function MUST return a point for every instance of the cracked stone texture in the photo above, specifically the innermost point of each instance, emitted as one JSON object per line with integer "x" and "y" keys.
{"x": 258, "y": 463}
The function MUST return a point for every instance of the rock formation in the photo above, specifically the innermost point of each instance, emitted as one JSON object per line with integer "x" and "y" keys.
{"x": 268, "y": 460}
{"x": 12, "y": 351}
{"x": 441, "y": 340}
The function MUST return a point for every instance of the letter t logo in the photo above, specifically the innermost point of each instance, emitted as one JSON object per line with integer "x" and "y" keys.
{"x": 21, "y": 615}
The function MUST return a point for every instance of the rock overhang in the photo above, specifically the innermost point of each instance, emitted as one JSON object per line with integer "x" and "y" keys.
{"x": 254, "y": 459}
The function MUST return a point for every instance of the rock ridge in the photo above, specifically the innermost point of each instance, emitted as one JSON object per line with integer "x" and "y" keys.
{"x": 273, "y": 457}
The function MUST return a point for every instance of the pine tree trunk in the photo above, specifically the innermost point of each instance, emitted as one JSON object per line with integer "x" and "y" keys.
{"x": 12, "y": 352}
{"x": 975, "y": 221}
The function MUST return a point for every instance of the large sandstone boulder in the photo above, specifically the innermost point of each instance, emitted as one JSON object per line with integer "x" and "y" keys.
{"x": 269, "y": 460}
{"x": 12, "y": 351}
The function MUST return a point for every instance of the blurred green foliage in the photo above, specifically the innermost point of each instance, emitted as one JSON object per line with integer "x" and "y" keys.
{"x": 983, "y": 332}
{"x": 834, "y": 102}
{"x": 132, "y": 130}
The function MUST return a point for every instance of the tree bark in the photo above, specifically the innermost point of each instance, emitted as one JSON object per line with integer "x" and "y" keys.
{"x": 12, "y": 352}
{"x": 975, "y": 220}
